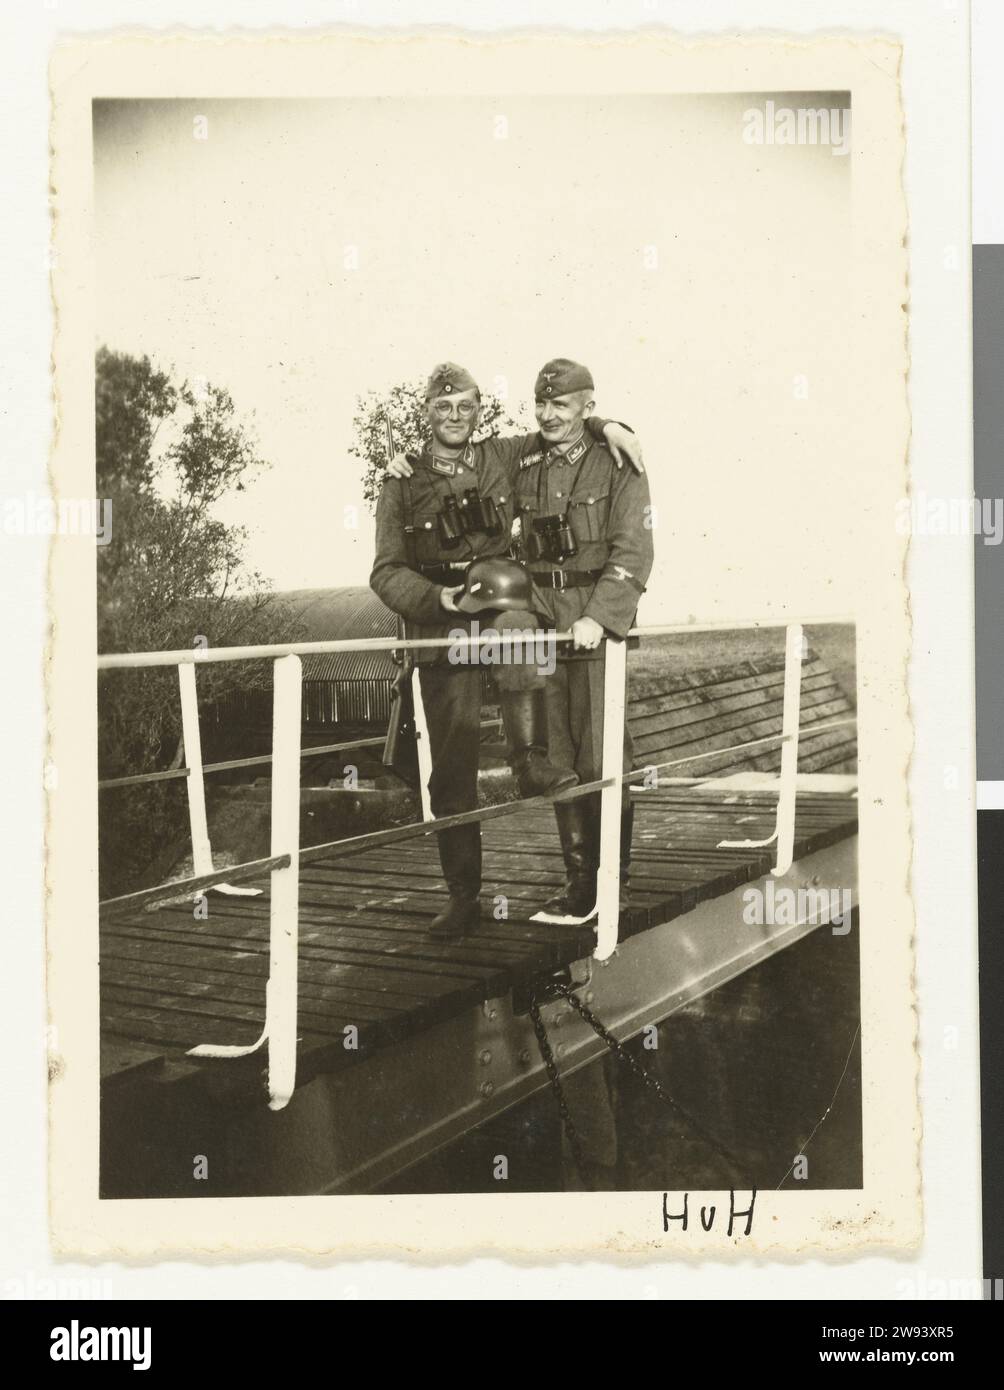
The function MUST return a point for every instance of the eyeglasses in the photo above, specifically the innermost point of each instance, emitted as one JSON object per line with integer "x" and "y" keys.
{"x": 465, "y": 409}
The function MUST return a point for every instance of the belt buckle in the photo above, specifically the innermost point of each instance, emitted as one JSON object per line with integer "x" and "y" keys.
{"x": 559, "y": 581}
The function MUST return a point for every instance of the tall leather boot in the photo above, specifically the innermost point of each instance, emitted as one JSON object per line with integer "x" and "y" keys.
{"x": 460, "y": 856}
{"x": 579, "y": 832}
{"x": 627, "y": 831}
{"x": 525, "y": 715}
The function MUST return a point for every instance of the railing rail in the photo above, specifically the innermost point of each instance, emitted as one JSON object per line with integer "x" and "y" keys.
{"x": 259, "y": 760}
{"x": 109, "y": 661}
{"x": 286, "y": 855}
{"x": 356, "y": 844}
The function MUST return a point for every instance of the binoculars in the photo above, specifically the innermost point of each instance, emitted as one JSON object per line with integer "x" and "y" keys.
{"x": 552, "y": 538}
{"x": 471, "y": 513}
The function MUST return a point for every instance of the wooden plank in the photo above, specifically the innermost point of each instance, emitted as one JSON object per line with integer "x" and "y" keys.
{"x": 341, "y": 906}
{"x": 417, "y": 979}
{"x": 198, "y": 982}
{"x": 711, "y": 679}
{"x": 746, "y": 696}
{"x": 170, "y": 981}
{"x": 405, "y": 935}
{"x": 653, "y": 860}
{"x": 522, "y": 895}
{"x": 836, "y": 756}
{"x": 175, "y": 1033}
{"x": 323, "y": 1019}
{"x": 815, "y": 706}
{"x": 725, "y": 731}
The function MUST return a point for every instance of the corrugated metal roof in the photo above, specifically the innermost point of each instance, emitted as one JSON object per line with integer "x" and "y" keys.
{"x": 338, "y": 615}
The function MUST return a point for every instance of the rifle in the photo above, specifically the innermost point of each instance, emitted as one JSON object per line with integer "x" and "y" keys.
{"x": 388, "y": 434}
{"x": 400, "y": 749}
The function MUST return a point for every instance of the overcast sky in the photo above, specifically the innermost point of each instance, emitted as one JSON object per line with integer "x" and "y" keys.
{"x": 307, "y": 251}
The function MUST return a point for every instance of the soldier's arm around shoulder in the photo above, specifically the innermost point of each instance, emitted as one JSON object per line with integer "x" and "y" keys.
{"x": 392, "y": 579}
{"x": 509, "y": 450}
{"x": 614, "y": 601}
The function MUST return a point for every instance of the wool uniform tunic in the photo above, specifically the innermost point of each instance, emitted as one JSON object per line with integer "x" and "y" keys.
{"x": 412, "y": 564}
{"x": 609, "y": 512}
{"x": 410, "y": 569}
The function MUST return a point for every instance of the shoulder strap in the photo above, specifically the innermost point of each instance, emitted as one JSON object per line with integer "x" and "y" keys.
{"x": 409, "y": 523}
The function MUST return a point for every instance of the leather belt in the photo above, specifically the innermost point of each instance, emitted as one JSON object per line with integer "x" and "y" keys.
{"x": 564, "y": 579}
{"x": 448, "y": 572}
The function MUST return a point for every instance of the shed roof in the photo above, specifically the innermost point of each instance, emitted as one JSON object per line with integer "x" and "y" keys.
{"x": 337, "y": 615}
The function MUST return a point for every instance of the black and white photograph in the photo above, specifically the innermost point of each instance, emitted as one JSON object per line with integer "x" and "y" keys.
{"x": 498, "y": 724}
{"x": 453, "y": 1036}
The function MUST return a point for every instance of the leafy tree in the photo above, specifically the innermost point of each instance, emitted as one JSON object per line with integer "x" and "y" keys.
{"x": 172, "y": 576}
{"x": 405, "y": 405}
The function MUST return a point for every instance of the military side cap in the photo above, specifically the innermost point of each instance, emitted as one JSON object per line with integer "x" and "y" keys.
{"x": 447, "y": 379}
{"x": 561, "y": 376}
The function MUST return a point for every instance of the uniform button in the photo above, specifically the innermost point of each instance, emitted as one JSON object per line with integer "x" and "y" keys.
{"x": 592, "y": 499}
{"x": 428, "y": 525}
{"x": 559, "y": 494}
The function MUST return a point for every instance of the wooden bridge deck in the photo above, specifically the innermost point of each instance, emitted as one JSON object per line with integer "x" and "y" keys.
{"x": 170, "y": 981}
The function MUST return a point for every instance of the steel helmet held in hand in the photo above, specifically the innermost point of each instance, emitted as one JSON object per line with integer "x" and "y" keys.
{"x": 496, "y": 583}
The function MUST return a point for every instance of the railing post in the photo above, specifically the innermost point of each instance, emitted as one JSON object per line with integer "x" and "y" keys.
{"x": 422, "y": 744}
{"x": 608, "y": 881}
{"x": 791, "y": 713}
{"x": 787, "y": 782}
{"x": 202, "y": 855}
{"x": 280, "y": 998}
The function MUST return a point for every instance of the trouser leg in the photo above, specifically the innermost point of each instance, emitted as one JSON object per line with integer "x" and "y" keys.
{"x": 586, "y": 704}
{"x": 576, "y": 819}
{"x": 585, "y": 724}
{"x": 575, "y": 696}
{"x": 452, "y": 700}
{"x": 575, "y": 720}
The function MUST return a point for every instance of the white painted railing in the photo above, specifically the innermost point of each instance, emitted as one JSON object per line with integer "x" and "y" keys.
{"x": 283, "y": 864}
{"x": 784, "y": 825}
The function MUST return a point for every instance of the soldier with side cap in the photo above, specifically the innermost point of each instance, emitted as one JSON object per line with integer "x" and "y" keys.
{"x": 585, "y": 533}
{"x": 436, "y": 514}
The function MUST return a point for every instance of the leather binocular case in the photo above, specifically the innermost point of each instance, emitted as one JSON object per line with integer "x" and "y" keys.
{"x": 472, "y": 513}
{"x": 552, "y": 538}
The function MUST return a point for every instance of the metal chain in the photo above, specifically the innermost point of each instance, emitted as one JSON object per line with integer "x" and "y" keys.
{"x": 543, "y": 1042}
{"x": 633, "y": 1065}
